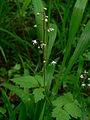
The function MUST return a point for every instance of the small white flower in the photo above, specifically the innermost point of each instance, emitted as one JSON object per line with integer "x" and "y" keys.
{"x": 53, "y": 62}
{"x": 38, "y": 47}
{"x": 35, "y": 26}
{"x": 88, "y": 85}
{"x": 46, "y": 20}
{"x": 45, "y": 8}
{"x": 84, "y": 25}
{"x": 50, "y": 29}
{"x": 83, "y": 84}
{"x": 44, "y": 61}
{"x": 81, "y": 76}
{"x": 38, "y": 14}
{"x": 88, "y": 78}
{"x": 43, "y": 45}
{"x": 85, "y": 72}
{"x": 34, "y": 42}
{"x": 46, "y": 16}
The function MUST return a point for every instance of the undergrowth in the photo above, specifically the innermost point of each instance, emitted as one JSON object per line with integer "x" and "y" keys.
{"x": 44, "y": 60}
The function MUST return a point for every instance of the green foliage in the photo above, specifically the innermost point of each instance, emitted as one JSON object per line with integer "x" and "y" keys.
{"x": 38, "y": 94}
{"x": 44, "y": 57}
{"x": 21, "y": 93}
{"x": 66, "y": 106}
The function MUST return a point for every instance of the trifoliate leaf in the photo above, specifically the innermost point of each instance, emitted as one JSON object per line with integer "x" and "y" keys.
{"x": 38, "y": 94}
{"x": 60, "y": 114}
{"x": 65, "y": 104}
{"x": 73, "y": 110}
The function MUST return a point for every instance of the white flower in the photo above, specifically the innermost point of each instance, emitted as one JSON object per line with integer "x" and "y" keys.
{"x": 38, "y": 47}
{"x": 88, "y": 85}
{"x": 45, "y": 8}
{"x": 34, "y": 42}
{"x": 35, "y": 26}
{"x": 46, "y": 20}
{"x": 38, "y": 14}
{"x": 88, "y": 78}
{"x": 83, "y": 84}
{"x": 43, "y": 45}
{"x": 44, "y": 61}
{"x": 53, "y": 62}
{"x": 50, "y": 29}
{"x": 85, "y": 72}
{"x": 81, "y": 76}
{"x": 46, "y": 16}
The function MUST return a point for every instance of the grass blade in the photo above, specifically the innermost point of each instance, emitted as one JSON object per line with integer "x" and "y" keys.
{"x": 83, "y": 43}
{"x": 25, "y": 5}
{"x": 74, "y": 25}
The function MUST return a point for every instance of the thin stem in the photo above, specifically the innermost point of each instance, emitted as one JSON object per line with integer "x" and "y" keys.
{"x": 44, "y": 58}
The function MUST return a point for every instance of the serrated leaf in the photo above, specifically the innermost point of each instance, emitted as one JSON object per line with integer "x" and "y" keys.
{"x": 73, "y": 110}
{"x": 38, "y": 94}
{"x": 21, "y": 93}
{"x": 26, "y": 82}
{"x": 60, "y": 114}
{"x": 62, "y": 100}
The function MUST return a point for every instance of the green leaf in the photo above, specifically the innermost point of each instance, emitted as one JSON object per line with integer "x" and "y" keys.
{"x": 62, "y": 100}
{"x": 22, "y": 114}
{"x": 60, "y": 114}
{"x": 73, "y": 110}
{"x": 21, "y": 93}
{"x": 2, "y": 110}
{"x": 7, "y": 102}
{"x": 74, "y": 25}
{"x": 4, "y": 56}
{"x": 38, "y": 94}
{"x": 83, "y": 43}
{"x": 66, "y": 106}
{"x": 26, "y": 81}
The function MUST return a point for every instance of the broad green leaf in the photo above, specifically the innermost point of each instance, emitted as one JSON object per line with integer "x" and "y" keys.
{"x": 83, "y": 43}
{"x": 28, "y": 81}
{"x": 51, "y": 40}
{"x": 38, "y": 8}
{"x": 25, "y": 5}
{"x": 21, "y": 93}
{"x": 74, "y": 25}
{"x": 60, "y": 114}
{"x": 62, "y": 100}
{"x": 73, "y": 110}
{"x": 38, "y": 94}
